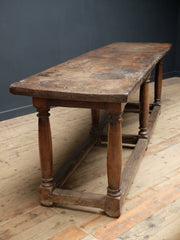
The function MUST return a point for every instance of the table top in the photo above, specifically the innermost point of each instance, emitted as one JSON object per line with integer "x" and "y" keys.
{"x": 108, "y": 74}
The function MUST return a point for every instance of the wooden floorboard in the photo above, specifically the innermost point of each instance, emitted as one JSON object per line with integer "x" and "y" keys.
{"x": 152, "y": 207}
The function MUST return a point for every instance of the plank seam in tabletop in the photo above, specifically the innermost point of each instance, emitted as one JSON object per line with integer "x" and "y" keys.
{"x": 107, "y": 74}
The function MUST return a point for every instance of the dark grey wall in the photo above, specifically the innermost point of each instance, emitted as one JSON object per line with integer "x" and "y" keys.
{"x": 178, "y": 45}
{"x": 37, "y": 34}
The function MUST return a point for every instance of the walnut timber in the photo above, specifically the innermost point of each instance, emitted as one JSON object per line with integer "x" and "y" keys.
{"x": 103, "y": 78}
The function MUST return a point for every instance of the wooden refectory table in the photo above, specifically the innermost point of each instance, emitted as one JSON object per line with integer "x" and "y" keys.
{"x": 103, "y": 78}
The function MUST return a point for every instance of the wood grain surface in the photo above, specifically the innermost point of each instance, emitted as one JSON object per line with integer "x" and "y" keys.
{"x": 107, "y": 74}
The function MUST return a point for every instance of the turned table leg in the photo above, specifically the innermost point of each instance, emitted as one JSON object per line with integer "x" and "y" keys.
{"x": 158, "y": 83}
{"x": 95, "y": 115}
{"x": 144, "y": 109}
{"x": 114, "y": 161}
{"x": 45, "y": 150}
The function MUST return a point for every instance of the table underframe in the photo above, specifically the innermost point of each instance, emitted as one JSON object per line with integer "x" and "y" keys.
{"x": 119, "y": 182}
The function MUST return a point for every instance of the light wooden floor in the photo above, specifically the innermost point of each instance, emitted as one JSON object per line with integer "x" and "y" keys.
{"x": 152, "y": 209}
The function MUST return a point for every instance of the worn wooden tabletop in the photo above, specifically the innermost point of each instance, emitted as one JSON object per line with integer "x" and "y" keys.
{"x": 107, "y": 74}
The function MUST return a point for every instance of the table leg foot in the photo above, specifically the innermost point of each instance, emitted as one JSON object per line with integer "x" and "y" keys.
{"x": 45, "y": 196}
{"x": 112, "y": 203}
